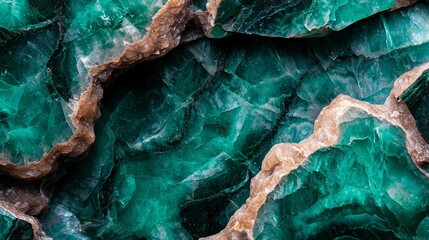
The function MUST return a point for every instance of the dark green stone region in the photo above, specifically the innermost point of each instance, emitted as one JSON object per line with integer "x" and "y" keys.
{"x": 417, "y": 98}
{"x": 364, "y": 187}
{"x": 12, "y": 228}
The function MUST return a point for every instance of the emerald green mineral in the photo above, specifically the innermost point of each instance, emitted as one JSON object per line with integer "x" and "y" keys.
{"x": 293, "y": 18}
{"x": 357, "y": 189}
{"x": 181, "y": 137}
{"x": 46, "y": 50}
{"x": 107, "y": 132}
{"x": 12, "y": 228}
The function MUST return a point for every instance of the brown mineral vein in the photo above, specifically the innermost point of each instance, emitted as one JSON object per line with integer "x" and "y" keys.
{"x": 26, "y": 198}
{"x": 285, "y": 157}
{"x": 212, "y": 6}
{"x": 35, "y": 225}
{"x": 402, "y": 3}
{"x": 164, "y": 34}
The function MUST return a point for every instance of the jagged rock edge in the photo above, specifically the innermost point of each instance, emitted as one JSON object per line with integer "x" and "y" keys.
{"x": 39, "y": 234}
{"x": 164, "y": 34}
{"x": 285, "y": 157}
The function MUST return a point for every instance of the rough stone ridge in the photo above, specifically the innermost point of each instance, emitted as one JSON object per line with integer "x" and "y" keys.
{"x": 283, "y": 158}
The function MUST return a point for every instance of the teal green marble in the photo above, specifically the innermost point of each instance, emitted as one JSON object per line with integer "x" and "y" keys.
{"x": 361, "y": 61}
{"x": 12, "y": 228}
{"x": 278, "y": 18}
{"x": 32, "y": 118}
{"x": 21, "y": 15}
{"x": 416, "y": 97}
{"x": 180, "y": 137}
{"x": 96, "y": 32}
{"x": 46, "y": 49}
{"x": 364, "y": 187}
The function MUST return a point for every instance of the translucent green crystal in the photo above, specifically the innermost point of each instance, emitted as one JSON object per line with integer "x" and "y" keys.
{"x": 293, "y": 18}
{"x": 361, "y": 61}
{"x": 180, "y": 137}
{"x": 46, "y": 49}
{"x": 12, "y": 228}
{"x": 96, "y": 32}
{"x": 364, "y": 187}
{"x": 19, "y": 15}
{"x": 32, "y": 118}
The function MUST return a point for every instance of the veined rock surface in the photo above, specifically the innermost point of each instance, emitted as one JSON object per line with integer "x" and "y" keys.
{"x": 218, "y": 119}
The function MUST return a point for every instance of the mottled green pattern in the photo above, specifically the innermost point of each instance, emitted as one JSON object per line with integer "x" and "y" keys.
{"x": 12, "y": 228}
{"x": 364, "y": 187}
{"x": 293, "y": 18}
{"x": 181, "y": 137}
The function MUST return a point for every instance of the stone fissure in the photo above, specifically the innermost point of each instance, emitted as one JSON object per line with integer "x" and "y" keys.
{"x": 163, "y": 35}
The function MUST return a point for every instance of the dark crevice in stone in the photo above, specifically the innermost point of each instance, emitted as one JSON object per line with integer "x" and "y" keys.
{"x": 258, "y": 152}
{"x": 203, "y": 217}
{"x": 338, "y": 231}
{"x": 171, "y": 143}
{"x": 61, "y": 87}
{"x": 193, "y": 31}
{"x": 130, "y": 79}
{"x": 10, "y": 36}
